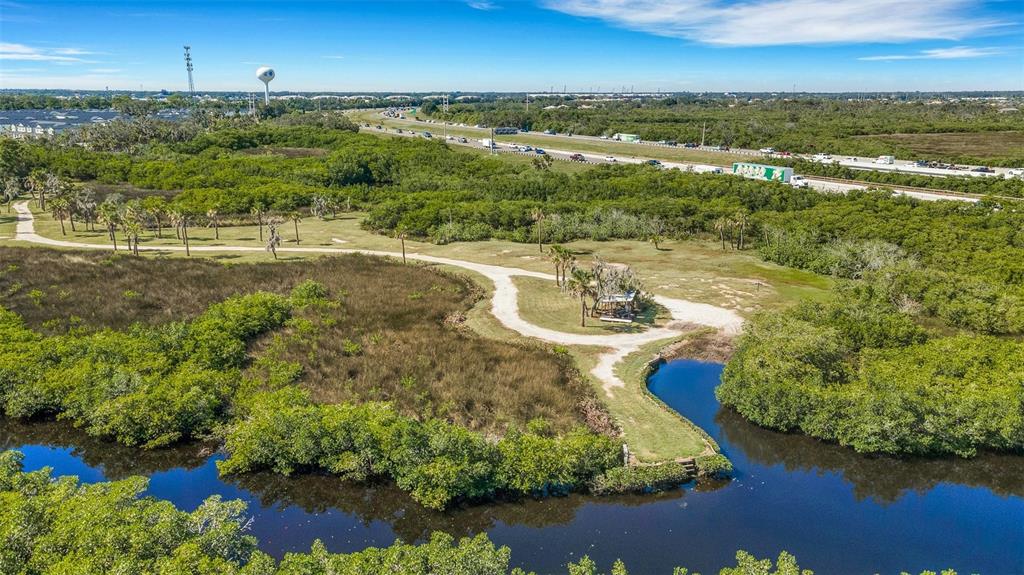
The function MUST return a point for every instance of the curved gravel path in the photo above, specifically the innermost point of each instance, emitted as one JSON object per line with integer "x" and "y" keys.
{"x": 504, "y": 303}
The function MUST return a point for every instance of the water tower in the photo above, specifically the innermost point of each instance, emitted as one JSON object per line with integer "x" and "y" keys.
{"x": 265, "y": 74}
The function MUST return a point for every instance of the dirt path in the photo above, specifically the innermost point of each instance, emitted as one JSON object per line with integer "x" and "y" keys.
{"x": 504, "y": 303}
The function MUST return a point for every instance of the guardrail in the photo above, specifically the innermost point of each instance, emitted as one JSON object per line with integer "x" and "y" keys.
{"x": 933, "y": 191}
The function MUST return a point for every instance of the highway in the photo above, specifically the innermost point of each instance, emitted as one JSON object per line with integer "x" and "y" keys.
{"x": 564, "y": 140}
{"x": 563, "y": 152}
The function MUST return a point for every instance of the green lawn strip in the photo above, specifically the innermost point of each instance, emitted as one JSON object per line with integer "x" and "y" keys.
{"x": 653, "y": 431}
{"x": 542, "y": 303}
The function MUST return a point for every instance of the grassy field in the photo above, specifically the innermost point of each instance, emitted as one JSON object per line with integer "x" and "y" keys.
{"x": 689, "y": 269}
{"x": 996, "y": 145}
{"x": 390, "y": 337}
{"x": 610, "y": 147}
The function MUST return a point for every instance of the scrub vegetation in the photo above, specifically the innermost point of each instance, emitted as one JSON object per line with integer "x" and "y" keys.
{"x": 289, "y": 376}
{"x": 860, "y": 371}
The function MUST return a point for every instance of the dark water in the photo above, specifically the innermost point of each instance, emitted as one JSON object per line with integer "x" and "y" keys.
{"x": 836, "y": 511}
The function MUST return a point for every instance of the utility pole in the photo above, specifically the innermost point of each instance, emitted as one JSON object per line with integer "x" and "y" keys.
{"x": 703, "y": 131}
{"x": 188, "y": 66}
{"x": 492, "y": 146}
{"x": 527, "y": 102}
{"x": 444, "y": 108}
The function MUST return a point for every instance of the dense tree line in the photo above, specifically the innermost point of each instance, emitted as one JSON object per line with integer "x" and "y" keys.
{"x": 797, "y": 125}
{"x": 967, "y": 260}
{"x": 435, "y": 461}
{"x": 59, "y": 525}
{"x": 860, "y": 371}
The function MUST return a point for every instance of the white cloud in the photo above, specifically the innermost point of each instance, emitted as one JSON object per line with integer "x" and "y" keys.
{"x": 11, "y": 51}
{"x": 939, "y": 54}
{"x": 481, "y": 4}
{"x": 781, "y": 22}
{"x": 104, "y": 70}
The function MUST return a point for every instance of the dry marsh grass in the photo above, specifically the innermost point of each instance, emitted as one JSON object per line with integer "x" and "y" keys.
{"x": 389, "y": 336}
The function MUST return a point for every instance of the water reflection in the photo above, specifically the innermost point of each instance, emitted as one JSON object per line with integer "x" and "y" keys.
{"x": 837, "y": 511}
{"x": 882, "y": 479}
{"x": 316, "y": 494}
{"x": 113, "y": 460}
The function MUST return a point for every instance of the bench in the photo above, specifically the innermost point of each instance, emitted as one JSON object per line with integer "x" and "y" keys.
{"x": 615, "y": 319}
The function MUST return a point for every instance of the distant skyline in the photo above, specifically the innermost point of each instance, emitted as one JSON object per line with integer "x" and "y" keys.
{"x": 500, "y": 45}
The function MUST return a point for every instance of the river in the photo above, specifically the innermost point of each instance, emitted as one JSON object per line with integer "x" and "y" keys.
{"x": 837, "y": 511}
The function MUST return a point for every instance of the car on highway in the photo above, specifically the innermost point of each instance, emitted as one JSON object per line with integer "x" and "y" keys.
{"x": 550, "y": 132}
{"x": 577, "y": 157}
{"x": 610, "y": 159}
{"x": 984, "y": 170}
{"x": 691, "y": 145}
{"x": 654, "y": 163}
{"x": 604, "y": 136}
{"x": 379, "y": 127}
{"x": 1014, "y": 173}
{"x": 922, "y": 164}
{"x": 463, "y": 140}
{"x": 799, "y": 182}
{"x": 539, "y": 151}
{"x": 427, "y": 135}
{"x": 767, "y": 150}
{"x": 399, "y": 131}
{"x": 527, "y": 148}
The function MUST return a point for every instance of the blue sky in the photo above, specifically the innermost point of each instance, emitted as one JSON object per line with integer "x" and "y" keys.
{"x": 505, "y": 45}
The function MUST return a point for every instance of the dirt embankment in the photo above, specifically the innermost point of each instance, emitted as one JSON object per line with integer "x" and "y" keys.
{"x": 709, "y": 346}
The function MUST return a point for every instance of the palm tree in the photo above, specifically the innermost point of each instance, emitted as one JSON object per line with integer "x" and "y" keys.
{"x": 295, "y": 217}
{"x": 110, "y": 216}
{"x": 259, "y": 211}
{"x": 174, "y": 219}
{"x": 537, "y": 215}
{"x": 51, "y": 186}
{"x": 35, "y": 182}
{"x": 557, "y": 255}
{"x": 722, "y": 224}
{"x": 214, "y": 217}
{"x": 741, "y": 220}
{"x": 132, "y": 230}
{"x": 183, "y": 222}
{"x": 656, "y": 239}
{"x": 60, "y": 208}
{"x": 580, "y": 285}
{"x": 273, "y": 238}
{"x": 655, "y": 231}
{"x": 12, "y": 189}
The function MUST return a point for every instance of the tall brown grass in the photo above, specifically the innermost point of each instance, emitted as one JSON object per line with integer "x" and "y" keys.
{"x": 394, "y": 314}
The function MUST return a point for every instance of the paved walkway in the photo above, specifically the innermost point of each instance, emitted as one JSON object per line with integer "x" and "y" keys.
{"x": 504, "y": 303}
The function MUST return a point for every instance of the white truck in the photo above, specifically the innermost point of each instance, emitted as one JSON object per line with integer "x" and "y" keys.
{"x": 885, "y": 160}
{"x": 762, "y": 172}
